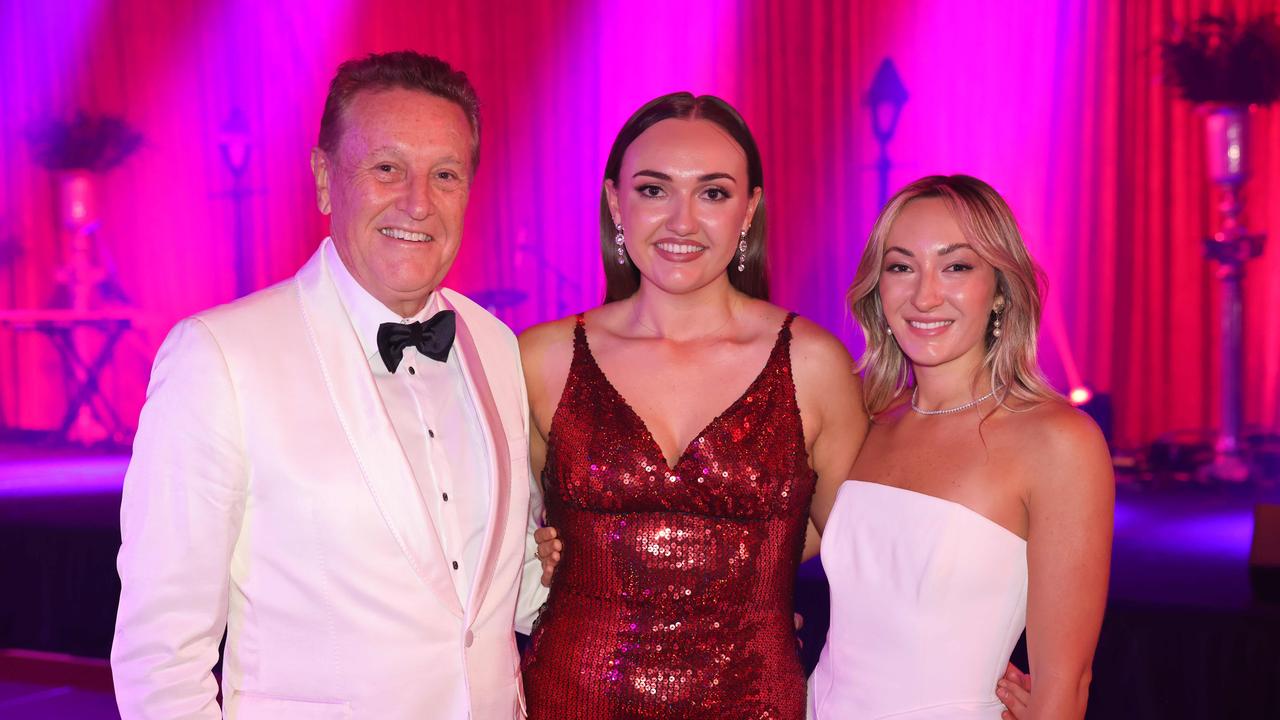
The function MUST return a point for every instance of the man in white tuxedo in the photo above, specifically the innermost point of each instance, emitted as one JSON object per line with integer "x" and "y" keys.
{"x": 334, "y": 469}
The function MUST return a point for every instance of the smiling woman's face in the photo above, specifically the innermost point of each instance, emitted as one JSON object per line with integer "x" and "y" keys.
{"x": 682, "y": 198}
{"x": 937, "y": 293}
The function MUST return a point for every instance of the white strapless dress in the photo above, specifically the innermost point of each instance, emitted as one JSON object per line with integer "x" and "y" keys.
{"x": 928, "y": 599}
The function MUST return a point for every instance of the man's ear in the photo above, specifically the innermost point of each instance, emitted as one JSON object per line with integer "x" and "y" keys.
{"x": 320, "y": 170}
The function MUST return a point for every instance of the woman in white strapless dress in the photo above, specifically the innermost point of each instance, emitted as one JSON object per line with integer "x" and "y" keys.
{"x": 982, "y": 502}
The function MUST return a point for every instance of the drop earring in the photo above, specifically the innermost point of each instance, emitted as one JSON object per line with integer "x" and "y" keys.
{"x": 742, "y": 251}
{"x": 995, "y": 326}
{"x": 619, "y": 243}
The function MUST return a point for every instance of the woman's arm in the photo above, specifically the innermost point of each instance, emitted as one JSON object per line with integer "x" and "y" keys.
{"x": 831, "y": 407}
{"x": 1071, "y": 504}
{"x": 546, "y": 352}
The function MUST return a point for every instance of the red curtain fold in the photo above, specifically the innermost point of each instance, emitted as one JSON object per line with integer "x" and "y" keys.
{"x": 1058, "y": 104}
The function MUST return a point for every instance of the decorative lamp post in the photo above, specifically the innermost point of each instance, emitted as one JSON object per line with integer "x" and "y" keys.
{"x": 237, "y": 145}
{"x": 886, "y": 97}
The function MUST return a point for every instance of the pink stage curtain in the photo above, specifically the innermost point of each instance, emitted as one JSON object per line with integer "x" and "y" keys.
{"x": 1057, "y": 103}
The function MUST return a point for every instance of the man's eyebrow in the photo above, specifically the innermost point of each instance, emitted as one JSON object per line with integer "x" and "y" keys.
{"x": 393, "y": 150}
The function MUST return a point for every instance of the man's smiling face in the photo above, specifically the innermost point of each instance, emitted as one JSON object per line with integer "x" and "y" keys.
{"x": 396, "y": 188}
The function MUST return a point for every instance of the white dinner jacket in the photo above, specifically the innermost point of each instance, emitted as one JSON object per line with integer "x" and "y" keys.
{"x": 268, "y": 491}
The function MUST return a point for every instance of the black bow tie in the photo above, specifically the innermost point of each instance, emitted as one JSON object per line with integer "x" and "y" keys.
{"x": 432, "y": 338}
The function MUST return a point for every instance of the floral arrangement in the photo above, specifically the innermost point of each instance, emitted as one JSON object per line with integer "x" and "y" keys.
{"x": 1217, "y": 59}
{"x": 87, "y": 142}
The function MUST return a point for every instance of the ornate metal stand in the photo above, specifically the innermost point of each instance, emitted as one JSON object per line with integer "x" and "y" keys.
{"x": 1230, "y": 249}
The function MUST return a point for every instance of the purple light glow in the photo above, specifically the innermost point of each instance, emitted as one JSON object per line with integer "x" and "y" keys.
{"x": 1214, "y": 530}
{"x": 62, "y": 476}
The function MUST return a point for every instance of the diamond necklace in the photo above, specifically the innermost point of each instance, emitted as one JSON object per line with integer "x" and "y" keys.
{"x": 948, "y": 411}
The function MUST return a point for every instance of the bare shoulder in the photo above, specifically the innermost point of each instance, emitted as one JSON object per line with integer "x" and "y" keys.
{"x": 544, "y": 337}
{"x": 1059, "y": 428}
{"x": 1063, "y": 445}
{"x": 546, "y": 350}
{"x": 819, "y": 356}
{"x": 827, "y": 388}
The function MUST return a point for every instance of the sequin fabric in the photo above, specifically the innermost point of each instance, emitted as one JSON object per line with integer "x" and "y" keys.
{"x": 673, "y": 597}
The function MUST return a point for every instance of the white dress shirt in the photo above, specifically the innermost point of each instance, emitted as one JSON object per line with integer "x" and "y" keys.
{"x": 432, "y": 411}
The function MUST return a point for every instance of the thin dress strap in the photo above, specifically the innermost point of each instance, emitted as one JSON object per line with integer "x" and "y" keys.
{"x": 784, "y": 334}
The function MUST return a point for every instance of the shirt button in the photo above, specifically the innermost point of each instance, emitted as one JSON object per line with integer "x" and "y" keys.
{"x": 468, "y": 639}
{"x": 455, "y": 564}
{"x": 412, "y": 371}
{"x": 446, "y": 497}
{"x": 431, "y": 433}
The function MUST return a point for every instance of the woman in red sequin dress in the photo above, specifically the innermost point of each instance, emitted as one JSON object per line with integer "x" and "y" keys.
{"x": 682, "y": 429}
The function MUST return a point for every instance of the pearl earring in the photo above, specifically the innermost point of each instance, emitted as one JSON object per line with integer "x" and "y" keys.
{"x": 995, "y": 326}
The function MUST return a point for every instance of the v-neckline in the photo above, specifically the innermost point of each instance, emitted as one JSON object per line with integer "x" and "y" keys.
{"x": 644, "y": 426}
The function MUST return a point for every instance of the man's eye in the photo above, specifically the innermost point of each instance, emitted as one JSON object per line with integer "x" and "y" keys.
{"x": 447, "y": 175}
{"x": 386, "y": 167}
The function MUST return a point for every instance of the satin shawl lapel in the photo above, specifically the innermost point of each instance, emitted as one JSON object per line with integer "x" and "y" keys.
{"x": 499, "y": 453}
{"x": 368, "y": 428}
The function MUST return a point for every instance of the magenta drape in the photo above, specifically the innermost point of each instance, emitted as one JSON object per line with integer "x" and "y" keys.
{"x": 1057, "y": 103}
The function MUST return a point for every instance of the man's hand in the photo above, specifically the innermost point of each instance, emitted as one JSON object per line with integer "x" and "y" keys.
{"x": 549, "y": 547}
{"x": 1014, "y": 690}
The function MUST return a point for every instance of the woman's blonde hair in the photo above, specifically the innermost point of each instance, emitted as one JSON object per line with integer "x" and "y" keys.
{"x": 989, "y": 226}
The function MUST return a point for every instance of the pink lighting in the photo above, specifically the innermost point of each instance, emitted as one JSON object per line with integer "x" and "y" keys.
{"x": 1046, "y": 101}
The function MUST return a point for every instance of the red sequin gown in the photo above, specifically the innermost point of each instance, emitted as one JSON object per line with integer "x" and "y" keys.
{"x": 673, "y": 597}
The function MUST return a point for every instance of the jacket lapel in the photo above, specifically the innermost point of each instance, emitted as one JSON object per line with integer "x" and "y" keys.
{"x": 368, "y": 428}
{"x": 496, "y": 444}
